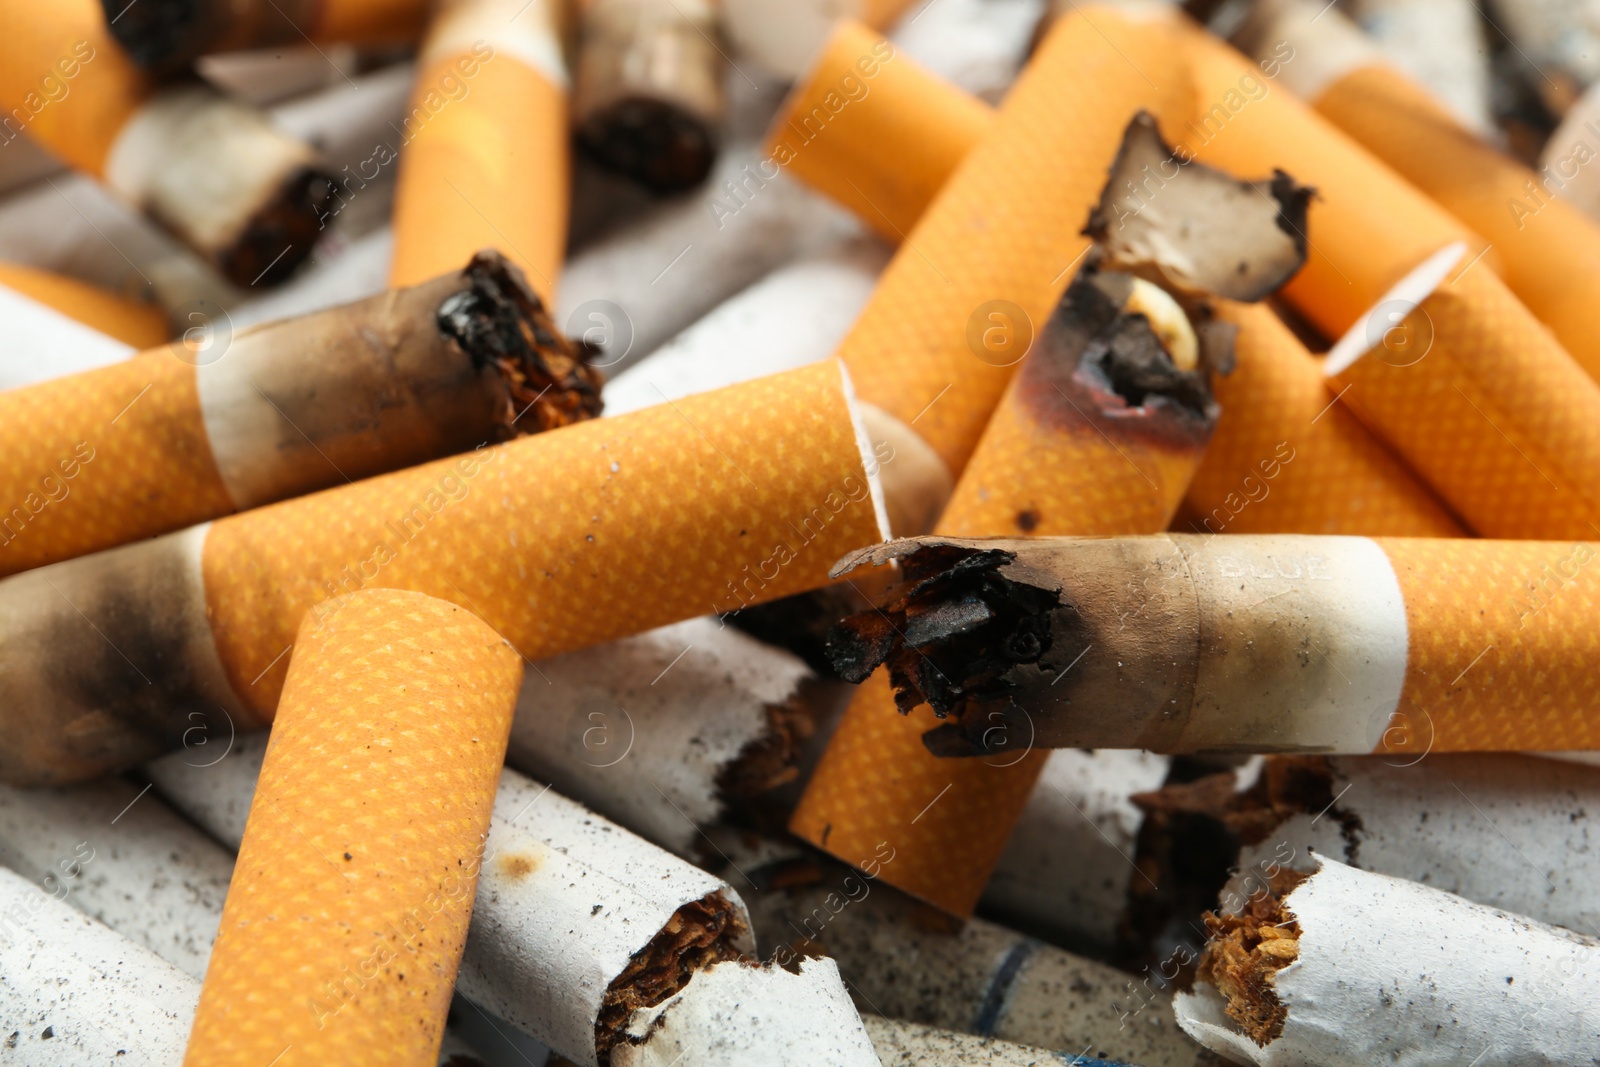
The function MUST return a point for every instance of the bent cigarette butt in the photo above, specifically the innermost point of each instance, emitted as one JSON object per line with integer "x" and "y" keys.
{"x": 786, "y": 37}
{"x": 1247, "y": 644}
{"x": 215, "y": 172}
{"x": 124, "y": 858}
{"x": 484, "y": 151}
{"x": 902, "y": 1044}
{"x": 1343, "y": 966}
{"x": 1369, "y": 226}
{"x": 1479, "y": 399}
{"x": 905, "y": 961}
{"x": 43, "y": 342}
{"x": 132, "y": 323}
{"x": 735, "y": 1013}
{"x": 542, "y": 541}
{"x": 841, "y": 150}
{"x": 959, "y": 304}
{"x": 540, "y": 953}
{"x": 1065, "y": 871}
{"x": 1542, "y": 242}
{"x": 76, "y": 992}
{"x": 696, "y": 713}
{"x": 216, "y": 423}
{"x": 1287, "y": 458}
{"x": 1511, "y": 832}
{"x": 360, "y": 857}
{"x": 648, "y": 96}
{"x": 169, "y": 37}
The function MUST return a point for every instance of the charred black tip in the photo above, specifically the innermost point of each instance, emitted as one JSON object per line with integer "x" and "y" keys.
{"x": 280, "y": 236}
{"x": 651, "y": 141}
{"x": 158, "y": 35}
{"x": 858, "y": 645}
{"x": 501, "y": 324}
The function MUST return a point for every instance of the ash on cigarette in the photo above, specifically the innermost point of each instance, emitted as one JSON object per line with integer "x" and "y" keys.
{"x": 699, "y": 934}
{"x": 949, "y": 634}
{"x": 280, "y": 235}
{"x": 651, "y": 141}
{"x": 1287, "y": 786}
{"x": 501, "y": 323}
{"x": 767, "y": 763}
{"x": 1246, "y": 950}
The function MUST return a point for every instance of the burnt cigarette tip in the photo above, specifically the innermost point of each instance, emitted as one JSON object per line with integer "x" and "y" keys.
{"x": 501, "y": 324}
{"x": 1246, "y": 950}
{"x": 651, "y": 141}
{"x": 280, "y": 235}
{"x": 158, "y": 35}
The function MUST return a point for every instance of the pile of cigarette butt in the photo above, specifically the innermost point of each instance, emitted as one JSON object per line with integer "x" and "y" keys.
{"x": 775, "y": 533}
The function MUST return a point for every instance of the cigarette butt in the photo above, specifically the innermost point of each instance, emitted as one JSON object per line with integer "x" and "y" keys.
{"x": 961, "y": 300}
{"x": 213, "y": 171}
{"x": 1542, "y": 242}
{"x": 134, "y": 324}
{"x": 733, "y": 1013}
{"x": 485, "y": 155}
{"x": 567, "y": 903}
{"x": 1312, "y": 644}
{"x": 172, "y": 37}
{"x": 1342, "y": 966}
{"x": 44, "y": 343}
{"x": 125, "y": 858}
{"x": 786, "y": 37}
{"x": 77, "y": 992}
{"x": 632, "y": 291}
{"x": 1287, "y": 458}
{"x": 1065, "y": 871}
{"x": 543, "y": 541}
{"x": 1443, "y": 44}
{"x": 648, "y": 96}
{"x": 1479, "y": 399}
{"x": 903, "y": 1044}
{"x": 382, "y": 767}
{"x": 1506, "y": 831}
{"x": 906, "y": 962}
{"x": 841, "y": 151}
{"x": 1370, "y": 227}
{"x": 215, "y": 423}
{"x": 697, "y": 713}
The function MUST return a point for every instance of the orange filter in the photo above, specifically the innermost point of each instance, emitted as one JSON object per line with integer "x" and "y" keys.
{"x": 874, "y": 131}
{"x": 1501, "y": 647}
{"x": 65, "y": 82}
{"x": 569, "y": 538}
{"x": 985, "y": 266}
{"x": 347, "y": 915}
{"x": 132, "y": 323}
{"x": 1286, "y": 458}
{"x": 1368, "y": 228}
{"x": 1548, "y": 250}
{"x": 1484, "y": 405}
{"x": 485, "y": 154}
{"x": 1060, "y": 457}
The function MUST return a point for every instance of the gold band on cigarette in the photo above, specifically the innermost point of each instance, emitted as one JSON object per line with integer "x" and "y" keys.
{"x": 347, "y": 915}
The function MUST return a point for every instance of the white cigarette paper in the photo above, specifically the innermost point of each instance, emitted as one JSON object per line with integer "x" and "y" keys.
{"x": 75, "y": 992}
{"x": 565, "y": 898}
{"x": 125, "y": 858}
{"x": 1389, "y": 971}
{"x": 1566, "y": 162}
{"x": 1512, "y": 832}
{"x": 1067, "y": 867}
{"x": 42, "y": 343}
{"x": 977, "y": 45}
{"x": 734, "y": 1014}
{"x": 644, "y": 730}
{"x": 1440, "y": 43}
{"x": 903, "y": 1044}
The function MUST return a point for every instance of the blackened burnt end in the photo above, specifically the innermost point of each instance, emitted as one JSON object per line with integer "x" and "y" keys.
{"x": 651, "y": 141}
{"x": 502, "y": 325}
{"x": 158, "y": 35}
{"x": 953, "y": 631}
{"x": 280, "y": 235}
{"x": 1099, "y": 362}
